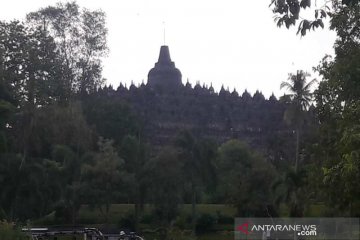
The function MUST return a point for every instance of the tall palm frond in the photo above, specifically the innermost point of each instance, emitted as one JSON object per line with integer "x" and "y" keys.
{"x": 299, "y": 90}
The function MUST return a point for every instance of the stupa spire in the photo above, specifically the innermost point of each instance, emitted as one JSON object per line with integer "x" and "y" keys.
{"x": 164, "y": 33}
{"x": 164, "y": 56}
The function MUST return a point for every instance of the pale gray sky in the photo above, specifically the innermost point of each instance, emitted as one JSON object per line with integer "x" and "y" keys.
{"x": 230, "y": 42}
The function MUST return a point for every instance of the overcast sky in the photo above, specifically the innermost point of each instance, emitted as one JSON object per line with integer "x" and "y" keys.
{"x": 230, "y": 42}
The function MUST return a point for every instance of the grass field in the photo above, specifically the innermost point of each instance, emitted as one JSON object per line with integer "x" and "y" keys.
{"x": 88, "y": 215}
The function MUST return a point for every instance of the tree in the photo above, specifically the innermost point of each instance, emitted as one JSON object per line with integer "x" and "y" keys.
{"x": 6, "y": 111}
{"x": 44, "y": 138}
{"x": 244, "y": 179}
{"x": 58, "y": 144}
{"x": 29, "y": 64}
{"x": 111, "y": 117}
{"x": 166, "y": 178}
{"x": 338, "y": 110}
{"x": 103, "y": 179}
{"x": 287, "y": 12}
{"x": 29, "y": 192}
{"x": 29, "y": 71}
{"x": 135, "y": 156}
{"x": 198, "y": 165}
{"x": 53, "y": 125}
{"x": 59, "y": 139}
{"x": 80, "y": 37}
{"x": 301, "y": 96}
{"x": 290, "y": 188}
{"x": 70, "y": 197}
{"x": 337, "y": 98}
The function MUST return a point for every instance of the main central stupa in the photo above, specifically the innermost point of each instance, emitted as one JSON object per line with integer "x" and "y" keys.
{"x": 164, "y": 75}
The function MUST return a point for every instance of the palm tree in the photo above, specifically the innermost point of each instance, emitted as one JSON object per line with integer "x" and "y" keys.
{"x": 290, "y": 189}
{"x": 301, "y": 96}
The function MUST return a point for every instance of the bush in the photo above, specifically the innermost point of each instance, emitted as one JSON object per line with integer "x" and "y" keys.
{"x": 205, "y": 223}
{"x": 147, "y": 219}
{"x": 223, "y": 219}
{"x": 127, "y": 222}
{"x": 62, "y": 213}
{"x": 8, "y": 231}
{"x": 181, "y": 222}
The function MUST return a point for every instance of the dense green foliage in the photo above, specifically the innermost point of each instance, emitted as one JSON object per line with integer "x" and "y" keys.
{"x": 244, "y": 179}
{"x": 338, "y": 99}
{"x": 332, "y": 154}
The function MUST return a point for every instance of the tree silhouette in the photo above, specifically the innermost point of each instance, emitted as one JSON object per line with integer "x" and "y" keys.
{"x": 301, "y": 96}
{"x": 197, "y": 156}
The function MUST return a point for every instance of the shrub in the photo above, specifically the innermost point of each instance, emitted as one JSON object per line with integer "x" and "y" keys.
{"x": 147, "y": 219}
{"x": 223, "y": 219}
{"x": 127, "y": 222}
{"x": 8, "y": 231}
{"x": 205, "y": 223}
{"x": 181, "y": 222}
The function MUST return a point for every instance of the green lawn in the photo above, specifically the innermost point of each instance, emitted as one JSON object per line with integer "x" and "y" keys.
{"x": 118, "y": 211}
{"x": 88, "y": 215}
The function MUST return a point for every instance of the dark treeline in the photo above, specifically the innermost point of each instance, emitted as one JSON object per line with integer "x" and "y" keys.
{"x": 65, "y": 140}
